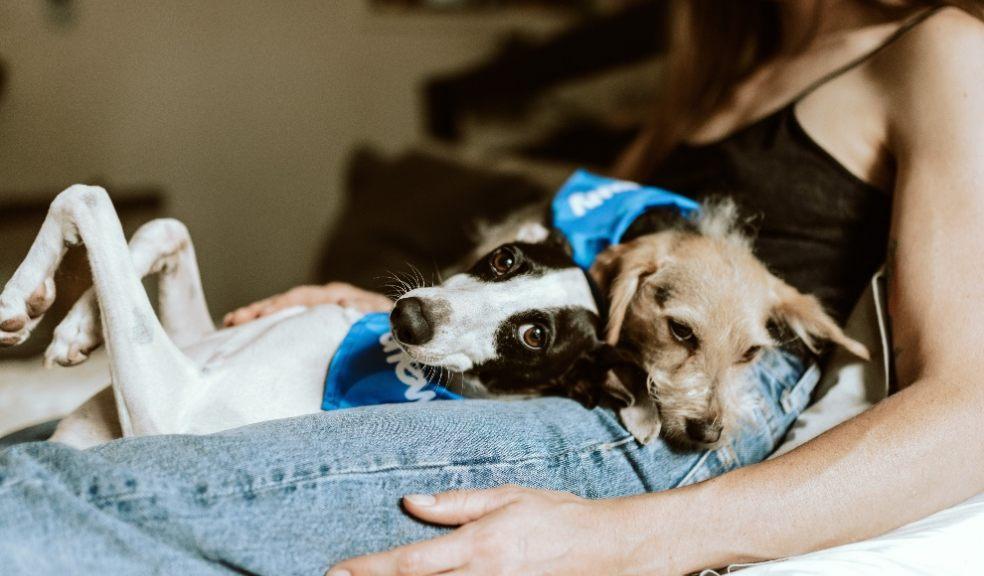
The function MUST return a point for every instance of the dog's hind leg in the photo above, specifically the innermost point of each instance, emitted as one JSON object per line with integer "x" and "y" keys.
{"x": 153, "y": 382}
{"x": 162, "y": 247}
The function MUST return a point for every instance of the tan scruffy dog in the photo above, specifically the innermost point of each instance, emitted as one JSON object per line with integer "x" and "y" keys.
{"x": 691, "y": 306}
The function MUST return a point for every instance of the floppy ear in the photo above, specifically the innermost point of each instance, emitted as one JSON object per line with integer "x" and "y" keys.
{"x": 606, "y": 266}
{"x": 620, "y": 269}
{"x": 640, "y": 414}
{"x": 805, "y": 317}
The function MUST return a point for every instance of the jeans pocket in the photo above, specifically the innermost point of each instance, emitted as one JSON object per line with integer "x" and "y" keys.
{"x": 710, "y": 464}
{"x": 783, "y": 390}
{"x": 795, "y": 399}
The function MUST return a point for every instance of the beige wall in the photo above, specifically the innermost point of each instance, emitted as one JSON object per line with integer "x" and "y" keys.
{"x": 243, "y": 112}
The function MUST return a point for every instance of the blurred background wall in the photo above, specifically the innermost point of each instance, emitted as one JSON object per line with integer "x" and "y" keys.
{"x": 242, "y": 113}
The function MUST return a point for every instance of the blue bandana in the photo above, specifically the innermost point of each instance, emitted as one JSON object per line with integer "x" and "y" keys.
{"x": 593, "y": 212}
{"x": 369, "y": 368}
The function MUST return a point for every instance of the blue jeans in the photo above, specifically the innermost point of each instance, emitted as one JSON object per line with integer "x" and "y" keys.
{"x": 295, "y": 496}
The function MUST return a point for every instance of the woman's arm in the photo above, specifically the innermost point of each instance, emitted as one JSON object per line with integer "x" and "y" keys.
{"x": 916, "y": 452}
{"x": 921, "y": 449}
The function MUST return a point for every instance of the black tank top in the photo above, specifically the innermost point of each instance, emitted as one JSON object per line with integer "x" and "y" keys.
{"x": 818, "y": 226}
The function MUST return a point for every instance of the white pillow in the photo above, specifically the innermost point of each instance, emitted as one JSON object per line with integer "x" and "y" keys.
{"x": 849, "y": 385}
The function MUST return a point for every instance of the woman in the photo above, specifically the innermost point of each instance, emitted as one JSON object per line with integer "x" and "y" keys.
{"x": 850, "y": 100}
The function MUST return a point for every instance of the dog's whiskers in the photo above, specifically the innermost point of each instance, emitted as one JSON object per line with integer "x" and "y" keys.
{"x": 397, "y": 285}
{"x": 441, "y": 376}
{"x": 418, "y": 276}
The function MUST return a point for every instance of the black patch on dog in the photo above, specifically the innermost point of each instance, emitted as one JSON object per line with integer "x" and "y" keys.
{"x": 575, "y": 361}
{"x": 567, "y": 366}
{"x": 530, "y": 260}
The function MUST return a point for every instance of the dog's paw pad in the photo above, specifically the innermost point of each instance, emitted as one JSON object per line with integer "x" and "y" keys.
{"x": 20, "y": 315}
{"x": 76, "y": 337}
{"x": 42, "y": 299}
{"x": 14, "y": 323}
{"x": 71, "y": 356}
{"x": 65, "y": 354}
{"x": 10, "y": 340}
{"x": 14, "y": 329}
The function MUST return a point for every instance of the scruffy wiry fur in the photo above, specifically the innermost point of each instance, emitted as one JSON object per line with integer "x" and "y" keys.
{"x": 689, "y": 307}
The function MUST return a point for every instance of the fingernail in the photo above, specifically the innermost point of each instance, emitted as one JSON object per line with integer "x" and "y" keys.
{"x": 421, "y": 499}
{"x": 338, "y": 573}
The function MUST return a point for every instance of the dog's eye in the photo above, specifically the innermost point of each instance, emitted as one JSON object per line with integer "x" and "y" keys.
{"x": 502, "y": 261}
{"x": 750, "y": 354}
{"x": 682, "y": 332}
{"x": 533, "y": 336}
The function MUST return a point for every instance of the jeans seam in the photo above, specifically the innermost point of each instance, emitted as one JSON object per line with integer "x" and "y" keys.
{"x": 266, "y": 487}
{"x": 693, "y": 470}
{"x": 6, "y": 487}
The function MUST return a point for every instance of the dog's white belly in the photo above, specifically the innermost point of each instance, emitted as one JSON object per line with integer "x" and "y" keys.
{"x": 271, "y": 368}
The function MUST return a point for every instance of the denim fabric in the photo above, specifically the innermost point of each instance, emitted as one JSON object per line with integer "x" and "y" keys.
{"x": 294, "y": 496}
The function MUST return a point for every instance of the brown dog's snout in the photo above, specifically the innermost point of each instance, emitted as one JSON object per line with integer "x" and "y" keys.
{"x": 412, "y": 321}
{"x": 703, "y": 431}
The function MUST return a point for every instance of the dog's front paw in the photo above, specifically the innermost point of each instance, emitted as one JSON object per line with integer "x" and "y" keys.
{"x": 19, "y": 315}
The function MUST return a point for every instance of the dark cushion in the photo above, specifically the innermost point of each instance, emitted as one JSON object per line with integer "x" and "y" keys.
{"x": 415, "y": 210}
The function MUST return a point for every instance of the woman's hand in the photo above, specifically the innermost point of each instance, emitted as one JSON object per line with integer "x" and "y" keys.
{"x": 333, "y": 293}
{"x": 507, "y": 530}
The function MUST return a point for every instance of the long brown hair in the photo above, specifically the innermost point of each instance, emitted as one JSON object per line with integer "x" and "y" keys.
{"x": 714, "y": 44}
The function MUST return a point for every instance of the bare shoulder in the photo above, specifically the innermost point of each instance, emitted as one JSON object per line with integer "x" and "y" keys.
{"x": 948, "y": 47}
{"x": 933, "y": 75}
{"x": 950, "y": 38}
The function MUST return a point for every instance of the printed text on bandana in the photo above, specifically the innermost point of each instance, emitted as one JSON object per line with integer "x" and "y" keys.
{"x": 407, "y": 371}
{"x": 583, "y": 202}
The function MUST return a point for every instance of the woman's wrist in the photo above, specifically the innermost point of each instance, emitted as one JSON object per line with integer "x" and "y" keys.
{"x": 680, "y": 530}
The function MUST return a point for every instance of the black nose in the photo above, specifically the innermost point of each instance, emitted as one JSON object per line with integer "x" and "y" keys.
{"x": 411, "y": 321}
{"x": 703, "y": 431}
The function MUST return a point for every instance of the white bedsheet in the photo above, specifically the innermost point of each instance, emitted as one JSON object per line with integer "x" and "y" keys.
{"x": 947, "y": 543}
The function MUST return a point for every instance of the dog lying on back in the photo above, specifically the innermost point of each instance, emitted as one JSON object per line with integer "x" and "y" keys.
{"x": 691, "y": 308}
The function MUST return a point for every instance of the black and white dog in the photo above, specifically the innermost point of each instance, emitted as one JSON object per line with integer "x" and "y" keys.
{"x": 523, "y": 320}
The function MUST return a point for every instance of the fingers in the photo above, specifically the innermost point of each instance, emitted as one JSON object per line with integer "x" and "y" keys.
{"x": 351, "y": 296}
{"x": 437, "y": 556}
{"x": 460, "y": 506}
{"x": 299, "y": 296}
{"x": 368, "y": 303}
{"x": 247, "y": 313}
{"x": 334, "y": 293}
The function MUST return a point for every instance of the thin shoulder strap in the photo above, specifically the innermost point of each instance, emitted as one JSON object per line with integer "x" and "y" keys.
{"x": 899, "y": 32}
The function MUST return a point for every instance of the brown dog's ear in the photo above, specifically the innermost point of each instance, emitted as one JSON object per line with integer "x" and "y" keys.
{"x": 620, "y": 269}
{"x": 606, "y": 266}
{"x": 805, "y": 317}
{"x": 621, "y": 293}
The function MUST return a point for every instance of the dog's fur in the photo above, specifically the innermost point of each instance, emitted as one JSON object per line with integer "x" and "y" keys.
{"x": 691, "y": 308}
{"x": 180, "y": 375}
